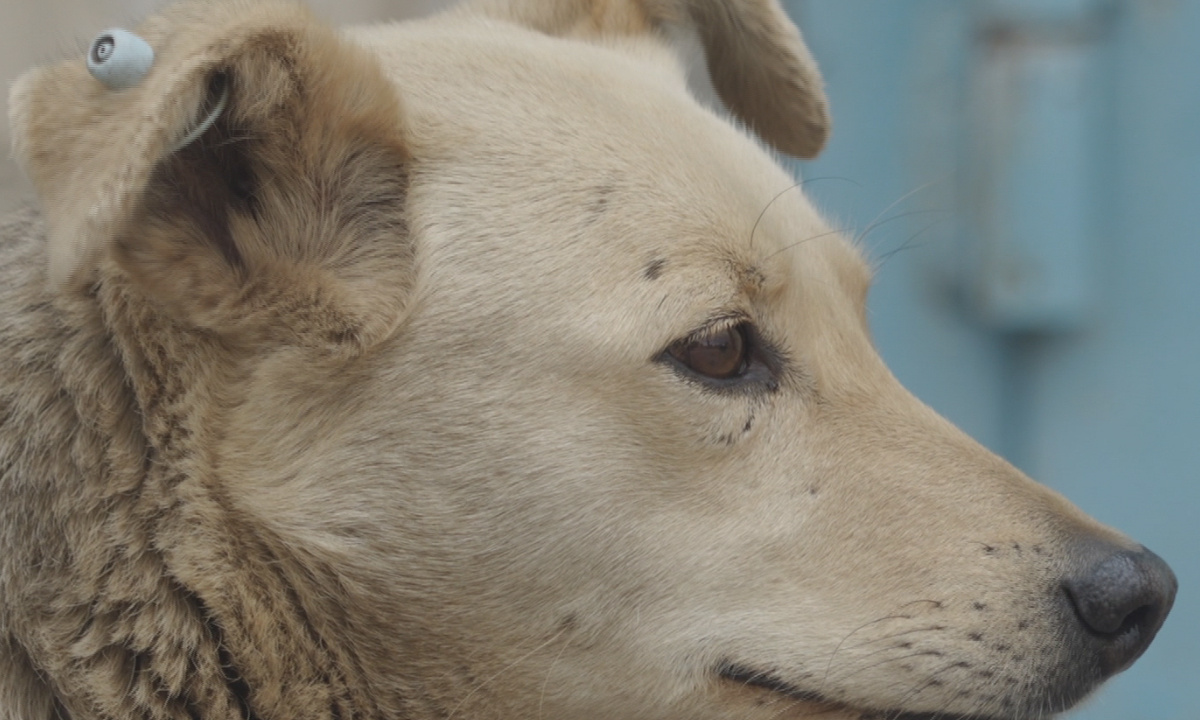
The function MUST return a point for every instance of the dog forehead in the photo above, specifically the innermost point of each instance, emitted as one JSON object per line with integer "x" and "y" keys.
{"x": 599, "y": 143}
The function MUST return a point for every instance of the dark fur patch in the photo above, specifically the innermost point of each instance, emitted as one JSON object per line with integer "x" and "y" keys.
{"x": 208, "y": 181}
{"x": 654, "y": 269}
{"x": 600, "y": 204}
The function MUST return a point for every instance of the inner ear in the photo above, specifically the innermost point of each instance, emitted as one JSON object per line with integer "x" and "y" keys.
{"x": 285, "y": 218}
{"x": 209, "y": 179}
{"x": 181, "y": 243}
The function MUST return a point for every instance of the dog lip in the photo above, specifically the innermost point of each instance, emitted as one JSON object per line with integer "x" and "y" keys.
{"x": 759, "y": 679}
{"x": 745, "y": 675}
{"x": 932, "y": 716}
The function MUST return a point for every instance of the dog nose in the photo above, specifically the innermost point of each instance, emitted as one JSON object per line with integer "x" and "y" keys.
{"x": 1122, "y": 597}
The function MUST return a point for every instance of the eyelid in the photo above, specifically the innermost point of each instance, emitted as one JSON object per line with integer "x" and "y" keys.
{"x": 715, "y": 325}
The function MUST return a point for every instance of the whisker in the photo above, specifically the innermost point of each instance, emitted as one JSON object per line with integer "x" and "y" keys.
{"x": 931, "y": 628}
{"x": 785, "y": 191}
{"x": 483, "y": 683}
{"x": 906, "y": 245}
{"x": 546, "y": 682}
{"x": 864, "y": 668}
{"x": 862, "y": 236}
{"x": 852, "y": 632}
{"x": 801, "y": 242}
{"x": 890, "y": 207}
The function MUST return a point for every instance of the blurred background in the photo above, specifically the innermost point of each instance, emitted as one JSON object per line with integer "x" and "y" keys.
{"x": 1026, "y": 174}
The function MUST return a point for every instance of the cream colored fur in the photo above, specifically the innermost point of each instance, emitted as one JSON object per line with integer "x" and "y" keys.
{"x": 355, "y": 408}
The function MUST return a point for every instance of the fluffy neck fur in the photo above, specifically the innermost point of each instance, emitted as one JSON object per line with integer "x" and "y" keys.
{"x": 152, "y": 599}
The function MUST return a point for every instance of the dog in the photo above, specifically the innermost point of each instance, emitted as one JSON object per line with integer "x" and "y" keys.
{"x": 470, "y": 368}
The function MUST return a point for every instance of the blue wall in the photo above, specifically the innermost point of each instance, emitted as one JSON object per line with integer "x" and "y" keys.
{"x": 1035, "y": 165}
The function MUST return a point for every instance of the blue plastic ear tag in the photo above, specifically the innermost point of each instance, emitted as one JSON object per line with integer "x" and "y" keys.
{"x": 119, "y": 59}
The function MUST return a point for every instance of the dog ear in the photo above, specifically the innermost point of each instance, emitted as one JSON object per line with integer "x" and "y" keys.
{"x": 758, "y": 63}
{"x": 252, "y": 180}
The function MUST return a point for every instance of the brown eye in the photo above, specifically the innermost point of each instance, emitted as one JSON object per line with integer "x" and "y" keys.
{"x": 720, "y": 354}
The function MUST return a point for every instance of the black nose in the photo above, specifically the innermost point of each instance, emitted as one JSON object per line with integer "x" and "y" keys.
{"x": 1122, "y": 597}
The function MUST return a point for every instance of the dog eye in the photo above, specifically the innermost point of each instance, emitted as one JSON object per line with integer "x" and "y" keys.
{"x": 719, "y": 355}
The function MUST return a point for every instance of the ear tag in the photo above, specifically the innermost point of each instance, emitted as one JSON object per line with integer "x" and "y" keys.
{"x": 119, "y": 59}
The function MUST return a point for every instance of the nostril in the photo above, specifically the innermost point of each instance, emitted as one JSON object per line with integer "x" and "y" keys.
{"x": 1138, "y": 619}
{"x": 1122, "y": 599}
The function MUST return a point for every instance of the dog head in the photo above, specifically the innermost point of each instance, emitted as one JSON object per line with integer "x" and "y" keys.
{"x": 500, "y": 378}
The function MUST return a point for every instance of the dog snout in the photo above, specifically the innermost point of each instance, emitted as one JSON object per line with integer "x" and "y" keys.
{"x": 1121, "y": 597}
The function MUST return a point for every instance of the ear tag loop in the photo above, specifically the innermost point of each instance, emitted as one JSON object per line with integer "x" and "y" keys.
{"x": 120, "y": 60}
{"x": 215, "y": 112}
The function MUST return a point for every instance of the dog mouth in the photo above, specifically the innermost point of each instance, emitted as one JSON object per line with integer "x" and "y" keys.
{"x": 761, "y": 680}
{"x": 749, "y": 677}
